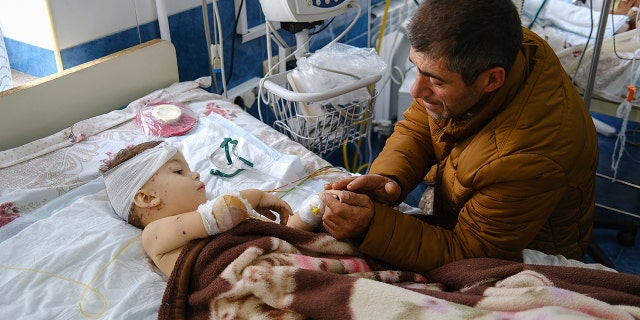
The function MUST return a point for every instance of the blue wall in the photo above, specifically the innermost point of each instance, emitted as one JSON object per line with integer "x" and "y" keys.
{"x": 30, "y": 59}
{"x": 187, "y": 35}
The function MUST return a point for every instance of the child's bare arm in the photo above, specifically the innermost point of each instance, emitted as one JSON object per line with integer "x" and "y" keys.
{"x": 163, "y": 239}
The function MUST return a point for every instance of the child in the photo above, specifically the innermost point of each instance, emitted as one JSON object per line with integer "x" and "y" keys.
{"x": 152, "y": 187}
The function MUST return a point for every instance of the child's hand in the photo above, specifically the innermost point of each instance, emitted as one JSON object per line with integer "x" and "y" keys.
{"x": 265, "y": 203}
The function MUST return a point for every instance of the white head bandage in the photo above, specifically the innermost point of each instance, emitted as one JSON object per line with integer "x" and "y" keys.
{"x": 127, "y": 178}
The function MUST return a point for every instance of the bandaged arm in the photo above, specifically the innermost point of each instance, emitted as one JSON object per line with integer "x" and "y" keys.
{"x": 309, "y": 216}
{"x": 164, "y": 238}
{"x": 224, "y": 212}
{"x": 311, "y": 211}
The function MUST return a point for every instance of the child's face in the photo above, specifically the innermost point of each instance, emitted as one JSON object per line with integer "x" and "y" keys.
{"x": 178, "y": 188}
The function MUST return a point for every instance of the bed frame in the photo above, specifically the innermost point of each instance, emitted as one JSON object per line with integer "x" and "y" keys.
{"x": 46, "y": 105}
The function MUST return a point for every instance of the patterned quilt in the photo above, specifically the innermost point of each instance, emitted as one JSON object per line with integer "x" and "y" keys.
{"x": 261, "y": 270}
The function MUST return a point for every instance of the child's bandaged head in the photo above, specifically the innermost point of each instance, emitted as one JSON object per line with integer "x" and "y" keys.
{"x": 123, "y": 181}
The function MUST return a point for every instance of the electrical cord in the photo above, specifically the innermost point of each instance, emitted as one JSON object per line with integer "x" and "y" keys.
{"x": 207, "y": 36}
{"x": 271, "y": 31}
{"x": 220, "y": 51}
{"x": 586, "y": 45}
{"x": 538, "y": 12}
{"x": 323, "y": 27}
{"x": 233, "y": 42}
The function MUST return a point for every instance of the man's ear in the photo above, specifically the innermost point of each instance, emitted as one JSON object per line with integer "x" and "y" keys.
{"x": 144, "y": 199}
{"x": 492, "y": 79}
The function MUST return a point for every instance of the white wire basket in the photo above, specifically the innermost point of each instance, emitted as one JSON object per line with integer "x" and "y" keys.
{"x": 328, "y": 126}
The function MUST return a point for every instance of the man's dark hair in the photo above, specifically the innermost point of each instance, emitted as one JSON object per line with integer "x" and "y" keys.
{"x": 471, "y": 36}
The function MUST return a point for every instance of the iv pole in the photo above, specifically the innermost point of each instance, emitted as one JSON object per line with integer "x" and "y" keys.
{"x": 588, "y": 92}
{"x": 589, "y": 89}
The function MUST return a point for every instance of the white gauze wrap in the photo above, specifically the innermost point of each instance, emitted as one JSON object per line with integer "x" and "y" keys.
{"x": 224, "y": 212}
{"x": 127, "y": 178}
{"x": 311, "y": 211}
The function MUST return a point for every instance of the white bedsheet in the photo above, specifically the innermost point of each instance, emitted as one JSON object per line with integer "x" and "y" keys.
{"x": 74, "y": 258}
{"x": 80, "y": 263}
{"x": 69, "y": 256}
{"x": 571, "y": 20}
{"x": 567, "y": 27}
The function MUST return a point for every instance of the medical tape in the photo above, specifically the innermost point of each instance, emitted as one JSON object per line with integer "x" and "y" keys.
{"x": 311, "y": 211}
{"x": 221, "y": 214}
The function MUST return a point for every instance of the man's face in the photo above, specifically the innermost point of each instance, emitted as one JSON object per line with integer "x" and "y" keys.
{"x": 442, "y": 92}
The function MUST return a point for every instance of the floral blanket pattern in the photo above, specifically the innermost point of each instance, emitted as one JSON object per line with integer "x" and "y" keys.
{"x": 262, "y": 270}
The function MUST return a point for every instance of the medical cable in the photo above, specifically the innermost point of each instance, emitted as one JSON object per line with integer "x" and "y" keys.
{"x": 383, "y": 25}
{"x": 297, "y": 184}
{"x": 270, "y": 30}
{"x": 371, "y": 89}
{"x": 355, "y": 5}
{"x": 135, "y": 9}
{"x": 584, "y": 50}
{"x": 219, "y": 49}
{"x": 230, "y": 145}
{"x": 396, "y": 73}
{"x": 540, "y": 10}
{"x": 623, "y": 111}
{"x": 207, "y": 36}
{"x": 367, "y": 126}
{"x": 233, "y": 41}
{"x": 276, "y": 36}
{"x": 324, "y": 27}
{"x": 266, "y": 99}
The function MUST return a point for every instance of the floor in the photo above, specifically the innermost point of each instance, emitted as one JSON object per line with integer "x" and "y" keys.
{"x": 611, "y": 194}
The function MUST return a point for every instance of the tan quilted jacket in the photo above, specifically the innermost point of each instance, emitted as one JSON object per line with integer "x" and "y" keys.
{"x": 518, "y": 174}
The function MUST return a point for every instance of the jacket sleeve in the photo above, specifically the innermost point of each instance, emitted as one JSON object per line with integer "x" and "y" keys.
{"x": 408, "y": 153}
{"x": 498, "y": 221}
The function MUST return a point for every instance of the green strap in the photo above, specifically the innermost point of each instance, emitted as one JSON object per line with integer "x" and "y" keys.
{"x": 225, "y": 144}
{"x": 219, "y": 173}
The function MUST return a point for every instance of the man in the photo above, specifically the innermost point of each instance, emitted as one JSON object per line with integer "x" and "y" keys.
{"x": 504, "y": 135}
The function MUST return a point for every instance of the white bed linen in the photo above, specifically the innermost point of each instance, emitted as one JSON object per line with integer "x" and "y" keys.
{"x": 80, "y": 263}
{"x": 567, "y": 27}
{"x": 563, "y": 17}
{"x": 69, "y": 256}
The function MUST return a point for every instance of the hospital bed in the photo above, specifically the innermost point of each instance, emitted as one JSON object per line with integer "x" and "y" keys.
{"x": 602, "y": 60}
{"x": 568, "y": 29}
{"x": 64, "y": 253}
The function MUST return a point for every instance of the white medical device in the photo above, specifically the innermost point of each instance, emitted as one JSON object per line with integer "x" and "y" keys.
{"x": 302, "y": 10}
{"x": 304, "y": 112}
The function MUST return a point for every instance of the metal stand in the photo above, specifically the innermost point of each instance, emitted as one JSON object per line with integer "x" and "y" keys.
{"x": 588, "y": 92}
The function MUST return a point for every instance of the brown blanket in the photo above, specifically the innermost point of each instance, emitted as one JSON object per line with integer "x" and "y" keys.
{"x": 261, "y": 270}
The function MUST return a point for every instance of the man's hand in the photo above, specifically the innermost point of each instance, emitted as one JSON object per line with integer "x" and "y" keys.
{"x": 347, "y": 214}
{"x": 380, "y": 188}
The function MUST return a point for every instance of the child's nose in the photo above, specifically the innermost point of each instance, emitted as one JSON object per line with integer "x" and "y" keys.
{"x": 196, "y": 175}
